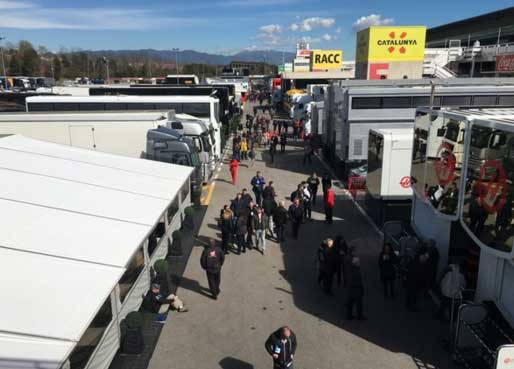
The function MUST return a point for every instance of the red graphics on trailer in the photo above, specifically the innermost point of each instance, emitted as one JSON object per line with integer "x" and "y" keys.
{"x": 445, "y": 165}
{"x": 405, "y": 182}
{"x": 493, "y": 188}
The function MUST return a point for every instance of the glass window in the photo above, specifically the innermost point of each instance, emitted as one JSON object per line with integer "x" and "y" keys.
{"x": 445, "y": 149}
{"x": 506, "y": 100}
{"x": 400, "y": 102}
{"x": 172, "y": 209}
{"x": 129, "y": 278}
{"x": 487, "y": 210}
{"x": 66, "y": 107}
{"x": 140, "y": 106}
{"x": 419, "y": 153}
{"x": 484, "y": 100}
{"x": 184, "y": 191}
{"x": 92, "y": 106}
{"x": 115, "y": 106}
{"x": 80, "y": 356}
{"x": 418, "y": 101}
{"x": 40, "y": 107}
{"x": 375, "y": 156}
{"x": 200, "y": 110}
{"x": 169, "y": 106}
{"x": 217, "y": 111}
{"x": 366, "y": 103}
{"x": 456, "y": 100}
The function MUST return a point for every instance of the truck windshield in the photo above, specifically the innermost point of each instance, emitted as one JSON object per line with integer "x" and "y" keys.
{"x": 480, "y": 137}
{"x": 217, "y": 111}
{"x": 198, "y": 143}
{"x": 195, "y": 159}
{"x": 206, "y": 144}
{"x": 452, "y": 132}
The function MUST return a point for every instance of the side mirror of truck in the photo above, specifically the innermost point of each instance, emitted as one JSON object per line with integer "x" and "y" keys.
{"x": 441, "y": 132}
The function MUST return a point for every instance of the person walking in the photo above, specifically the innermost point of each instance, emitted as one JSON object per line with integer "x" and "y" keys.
{"x": 211, "y": 261}
{"x": 251, "y": 213}
{"x": 258, "y": 183}
{"x": 387, "y": 262}
{"x": 280, "y": 215}
{"x": 246, "y": 198}
{"x": 234, "y": 165}
{"x": 281, "y": 345}
{"x": 296, "y": 216}
{"x": 327, "y": 258}
{"x": 241, "y": 230}
{"x": 227, "y": 227}
{"x": 269, "y": 205}
{"x": 415, "y": 281}
{"x": 326, "y": 182}
{"x": 307, "y": 199}
{"x": 313, "y": 182}
{"x": 269, "y": 191}
{"x": 355, "y": 291}
{"x": 244, "y": 149}
{"x": 307, "y": 152}
{"x": 251, "y": 155}
{"x": 329, "y": 205}
{"x": 259, "y": 228}
{"x": 272, "y": 152}
{"x": 283, "y": 142}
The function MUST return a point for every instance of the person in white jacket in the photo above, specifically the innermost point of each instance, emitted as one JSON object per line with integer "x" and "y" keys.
{"x": 452, "y": 285}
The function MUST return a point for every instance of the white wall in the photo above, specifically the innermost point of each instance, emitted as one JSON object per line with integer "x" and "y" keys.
{"x": 428, "y": 226}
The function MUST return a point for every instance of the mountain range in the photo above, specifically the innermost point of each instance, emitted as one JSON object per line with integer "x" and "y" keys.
{"x": 192, "y": 56}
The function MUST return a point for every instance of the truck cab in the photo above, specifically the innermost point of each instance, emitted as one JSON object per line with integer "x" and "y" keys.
{"x": 200, "y": 134}
{"x": 485, "y": 144}
{"x": 168, "y": 145}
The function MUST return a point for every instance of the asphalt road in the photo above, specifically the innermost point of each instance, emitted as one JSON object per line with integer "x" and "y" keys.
{"x": 260, "y": 293}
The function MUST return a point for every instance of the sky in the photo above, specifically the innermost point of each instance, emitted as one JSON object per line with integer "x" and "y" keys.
{"x": 219, "y": 26}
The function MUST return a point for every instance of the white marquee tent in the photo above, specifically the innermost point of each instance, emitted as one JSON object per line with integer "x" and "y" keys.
{"x": 70, "y": 221}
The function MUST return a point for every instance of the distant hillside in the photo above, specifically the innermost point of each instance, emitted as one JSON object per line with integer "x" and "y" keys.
{"x": 191, "y": 56}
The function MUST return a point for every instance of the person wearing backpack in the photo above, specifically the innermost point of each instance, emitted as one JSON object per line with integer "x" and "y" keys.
{"x": 211, "y": 261}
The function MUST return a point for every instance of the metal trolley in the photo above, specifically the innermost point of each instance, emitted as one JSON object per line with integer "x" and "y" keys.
{"x": 477, "y": 337}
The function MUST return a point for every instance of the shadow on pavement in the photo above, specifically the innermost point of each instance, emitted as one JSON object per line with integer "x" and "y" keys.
{"x": 390, "y": 326}
{"x": 233, "y": 363}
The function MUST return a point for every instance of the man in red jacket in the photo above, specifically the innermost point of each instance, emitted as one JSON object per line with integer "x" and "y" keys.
{"x": 330, "y": 202}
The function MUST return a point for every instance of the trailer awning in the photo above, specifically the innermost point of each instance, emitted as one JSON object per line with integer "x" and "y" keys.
{"x": 71, "y": 220}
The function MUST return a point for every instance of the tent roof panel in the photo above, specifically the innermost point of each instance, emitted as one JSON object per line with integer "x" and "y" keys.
{"x": 51, "y": 297}
{"x": 69, "y": 235}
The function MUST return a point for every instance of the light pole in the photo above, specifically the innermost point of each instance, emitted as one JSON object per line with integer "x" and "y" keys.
{"x": 106, "y": 61}
{"x": 3, "y": 62}
{"x": 176, "y": 60}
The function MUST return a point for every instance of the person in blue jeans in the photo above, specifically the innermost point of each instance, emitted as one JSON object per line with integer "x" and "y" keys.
{"x": 258, "y": 183}
{"x": 259, "y": 226}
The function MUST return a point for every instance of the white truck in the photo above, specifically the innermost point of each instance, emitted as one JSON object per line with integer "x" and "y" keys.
{"x": 388, "y": 190}
{"x": 206, "y": 108}
{"x": 145, "y": 135}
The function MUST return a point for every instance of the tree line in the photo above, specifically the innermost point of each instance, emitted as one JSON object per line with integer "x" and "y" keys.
{"x": 23, "y": 59}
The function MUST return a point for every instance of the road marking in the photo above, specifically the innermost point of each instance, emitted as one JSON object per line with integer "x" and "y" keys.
{"x": 207, "y": 199}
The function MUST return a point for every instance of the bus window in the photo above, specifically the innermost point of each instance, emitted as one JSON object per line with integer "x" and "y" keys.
{"x": 397, "y": 102}
{"x": 92, "y": 106}
{"x": 66, "y": 106}
{"x": 366, "y": 103}
{"x": 506, "y": 100}
{"x": 169, "y": 106}
{"x": 199, "y": 110}
{"x": 456, "y": 100}
{"x": 40, "y": 107}
{"x": 115, "y": 106}
{"x": 140, "y": 106}
{"x": 418, "y": 101}
{"x": 484, "y": 100}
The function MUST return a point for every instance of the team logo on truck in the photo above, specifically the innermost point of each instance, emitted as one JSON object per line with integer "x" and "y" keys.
{"x": 444, "y": 165}
{"x": 492, "y": 185}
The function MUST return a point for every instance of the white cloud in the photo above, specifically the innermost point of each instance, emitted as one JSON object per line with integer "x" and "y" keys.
{"x": 371, "y": 20}
{"x": 255, "y": 3}
{"x": 310, "y": 40}
{"x": 271, "y": 28}
{"x": 326, "y": 37}
{"x": 89, "y": 19}
{"x": 309, "y": 24}
{"x": 6, "y": 5}
{"x": 339, "y": 30}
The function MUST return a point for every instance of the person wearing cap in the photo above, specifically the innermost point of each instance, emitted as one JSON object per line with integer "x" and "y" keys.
{"x": 281, "y": 345}
{"x": 157, "y": 303}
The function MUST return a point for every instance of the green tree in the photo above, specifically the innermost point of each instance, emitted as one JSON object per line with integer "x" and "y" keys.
{"x": 56, "y": 63}
{"x": 29, "y": 58}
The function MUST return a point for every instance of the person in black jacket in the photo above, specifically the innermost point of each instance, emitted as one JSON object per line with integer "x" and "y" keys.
{"x": 251, "y": 213}
{"x": 328, "y": 259}
{"x": 326, "y": 183}
{"x": 227, "y": 227}
{"x": 246, "y": 198}
{"x": 355, "y": 291}
{"x": 313, "y": 182}
{"x": 280, "y": 216}
{"x": 387, "y": 262}
{"x": 211, "y": 261}
{"x": 157, "y": 303}
{"x": 296, "y": 216}
{"x": 281, "y": 345}
{"x": 269, "y": 205}
{"x": 241, "y": 230}
{"x": 415, "y": 281}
